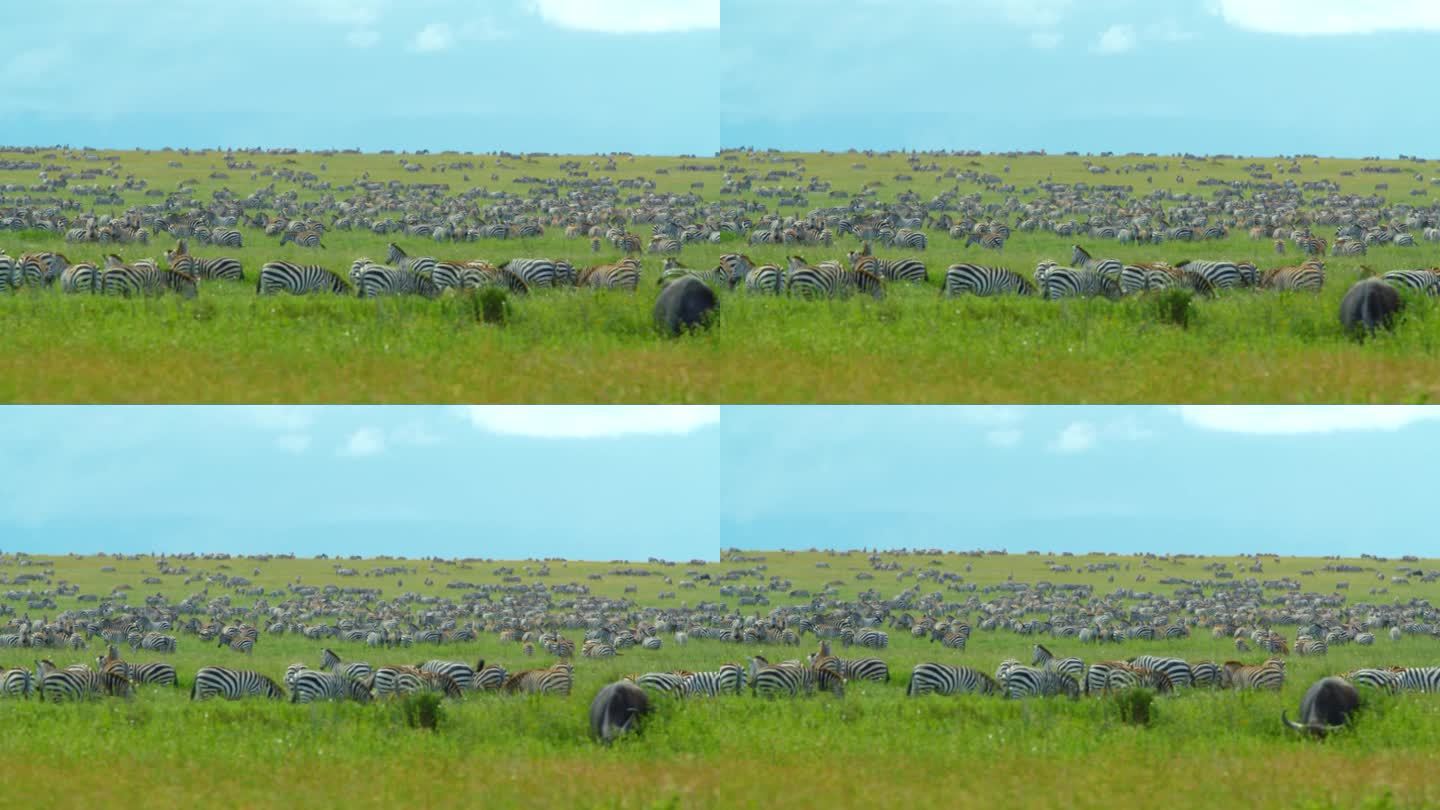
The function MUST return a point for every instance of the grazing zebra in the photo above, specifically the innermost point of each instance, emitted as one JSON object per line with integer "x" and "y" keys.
{"x": 78, "y": 683}
{"x": 463, "y": 673}
{"x": 664, "y": 244}
{"x": 829, "y": 280}
{"x": 9, "y": 276}
{"x": 736, "y": 266}
{"x": 16, "y": 682}
{"x": 1309, "y": 646}
{"x": 1386, "y": 680}
{"x": 119, "y": 278}
{"x": 623, "y": 275}
{"x": 39, "y": 269}
{"x": 792, "y": 680}
{"x": 1067, "y": 282}
{"x": 394, "y": 681}
{"x": 597, "y": 649}
{"x": 955, "y": 641}
{"x": 944, "y": 679}
{"x": 557, "y": 680}
{"x": 863, "y": 669}
{"x": 233, "y": 684}
{"x": 378, "y": 279}
{"x": 306, "y": 239}
{"x": 300, "y": 279}
{"x": 1419, "y": 679}
{"x": 913, "y": 240}
{"x": 240, "y": 644}
{"x": 728, "y": 679}
{"x": 80, "y": 278}
{"x": 984, "y": 281}
{"x": 1308, "y": 277}
{"x": 1348, "y": 247}
{"x": 987, "y": 239}
{"x": 911, "y": 270}
{"x": 222, "y": 267}
{"x": 310, "y": 685}
{"x": 1204, "y": 673}
{"x": 1426, "y": 281}
{"x": 355, "y": 670}
{"x": 1270, "y": 675}
{"x": 626, "y": 243}
{"x": 1081, "y": 260}
{"x": 534, "y": 272}
{"x": 154, "y": 642}
{"x": 1220, "y": 275}
{"x": 650, "y": 643}
{"x": 1022, "y": 682}
{"x": 666, "y": 683}
{"x": 866, "y": 637}
{"x": 1073, "y": 667}
{"x": 1178, "y": 670}
{"x": 229, "y": 237}
{"x": 767, "y": 279}
{"x": 489, "y": 678}
{"x": 674, "y": 270}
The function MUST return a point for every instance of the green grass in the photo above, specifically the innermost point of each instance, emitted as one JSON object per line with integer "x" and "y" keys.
{"x": 578, "y": 346}
{"x": 874, "y": 746}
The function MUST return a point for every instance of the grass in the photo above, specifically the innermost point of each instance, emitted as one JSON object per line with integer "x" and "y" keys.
{"x": 578, "y": 346}
{"x": 875, "y": 746}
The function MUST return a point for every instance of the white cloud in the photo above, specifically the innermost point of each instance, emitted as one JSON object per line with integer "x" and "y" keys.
{"x": 591, "y": 421}
{"x": 1076, "y": 437}
{"x": 1045, "y": 39}
{"x": 293, "y": 442}
{"x": 1329, "y": 17}
{"x": 433, "y": 38}
{"x": 1005, "y": 437}
{"x": 630, "y": 16}
{"x": 364, "y": 442}
{"x": 1116, "y": 39}
{"x": 362, "y": 38}
{"x": 1277, "y": 420}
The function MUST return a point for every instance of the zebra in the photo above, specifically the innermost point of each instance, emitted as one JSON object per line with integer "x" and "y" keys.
{"x": 1204, "y": 673}
{"x": 944, "y": 679}
{"x": 867, "y": 637}
{"x": 233, "y": 684}
{"x": 306, "y": 238}
{"x": 666, "y": 683}
{"x": 463, "y": 673}
{"x": 911, "y": 270}
{"x": 1308, "y": 277}
{"x": 489, "y": 678}
{"x": 240, "y": 644}
{"x": 78, "y": 683}
{"x": 126, "y": 280}
{"x": 792, "y": 680}
{"x": 623, "y": 275}
{"x": 392, "y": 681}
{"x": 829, "y": 280}
{"x": 664, "y": 244}
{"x": 984, "y": 281}
{"x": 1418, "y": 679}
{"x": 1081, "y": 260}
{"x": 378, "y": 279}
{"x": 1021, "y": 682}
{"x": 1073, "y": 667}
{"x": 597, "y": 649}
{"x": 907, "y": 238}
{"x": 154, "y": 642}
{"x": 1348, "y": 247}
{"x": 1221, "y": 275}
{"x": 736, "y": 266}
{"x": 229, "y": 237}
{"x": 222, "y": 267}
{"x": 728, "y": 679}
{"x": 556, "y": 680}
{"x": 16, "y": 682}
{"x": 300, "y": 279}
{"x": 310, "y": 685}
{"x": 765, "y": 279}
{"x": 986, "y": 239}
{"x": 1176, "y": 669}
{"x": 674, "y": 270}
{"x": 955, "y": 641}
{"x": 1386, "y": 680}
{"x": 355, "y": 670}
{"x": 1270, "y": 675}
{"x": 10, "y": 279}
{"x": 1068, "y": 282}
{"x": 864, "y": 669}
{"x": 40, "y": 269}
{"x": 1309, "y": 646}
{"x": 1426, "y": 280}
{"x": 80, "y": 278}
{"x": 534, "y": 272}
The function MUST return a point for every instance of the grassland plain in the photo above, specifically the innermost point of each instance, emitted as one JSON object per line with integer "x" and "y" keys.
{"x": 873, "y": 747}
{"x": 579, "y": 346}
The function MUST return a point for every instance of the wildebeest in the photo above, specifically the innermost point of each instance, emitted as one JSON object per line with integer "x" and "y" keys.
{"x": 1371, "y": 304}
{"x": 685, "y": 303}
{"x": 617, "y": 710}
{"x": 1327, "y": 705}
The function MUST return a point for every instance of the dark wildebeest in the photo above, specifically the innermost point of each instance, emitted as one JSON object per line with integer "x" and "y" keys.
{"x": 1327, "y": 705}
{"x": 1369, "y": 305}
{"x": 617, "y": 709}
{"x": 685, "y": 303}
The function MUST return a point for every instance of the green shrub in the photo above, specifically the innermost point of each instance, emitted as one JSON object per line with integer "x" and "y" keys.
{"x": 423, "y": 710}
{"x": 1174, "y": 307}
{"x": 1136, "y": 707}
{"x": 491, "y": 305}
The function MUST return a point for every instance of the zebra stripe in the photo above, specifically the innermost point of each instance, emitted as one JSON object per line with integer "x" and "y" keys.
{"x": 944, "y": 679}
{"x": 310, "y": 685}
{"x": 973, "y": 279}
{"x": 557, "y": 680}
{"x": 378, "y": 279}
{"x": 298, "y": 279}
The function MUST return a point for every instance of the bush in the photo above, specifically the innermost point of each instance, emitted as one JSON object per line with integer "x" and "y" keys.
{"x": 1173, "y": 307}
{"x": 491, "y": 305}
{"x": 423, "y": 710}
{"x": 1135, "y": 706}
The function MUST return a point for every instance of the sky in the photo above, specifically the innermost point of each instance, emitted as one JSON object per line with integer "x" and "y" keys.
{"x": 476, "y": 75}
{"x": 503, "y": 482}
{"x": 1205, "y": 480}
{"x": 1256, "y": 77}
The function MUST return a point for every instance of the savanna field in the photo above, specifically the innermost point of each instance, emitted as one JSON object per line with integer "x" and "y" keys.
{"x": 912, "y": 345}
{"x": 1201, "y": 746}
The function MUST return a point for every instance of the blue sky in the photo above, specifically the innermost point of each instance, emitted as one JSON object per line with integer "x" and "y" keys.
{"x": 1305, "y": 481}
{"x": 1333, "y": 77}
{"x": 579, "y": 482}
{"x": 477, "y": 75}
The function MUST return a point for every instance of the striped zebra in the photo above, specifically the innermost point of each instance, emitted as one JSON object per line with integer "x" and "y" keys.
{"x": 1425, "y": 280}
{"x": 378, "y": 279}
{"x": 489, "y": 678}
{"x": 986, "y": 239}
{"x": 1204, "y": 673}
{"x": 228, "y": 237}
{"x": 305, "y": 238}
{"x": 728, "y": 679}
{"x": 1220, "y": 275}
{"x": 556, "y": 680}
{"x": 674, "y": 270}
{"x": 866, "y": 637}
{"x": 863, "y": 669}
{"x": 973, "y": 279}
{"x": 944, "y": 679}
{"x": 1419, "y": 679}
{"x": 597, "y": 649}
{"x": 623, "y": 275}
{"x": 666, "y": 683}
{"x": 910, "y": 239}
{"x": 463, "y": 673}
{"x": 10, "y": 279}
{"x": 300, "y": 279}
{"x": 664, "y": 244}
{"x": 1386, "y": 680}
{"x": 626, "y": 243}
{"x": 955, "y": 641}
{"x": 1308, "y": 277}
{"x": 534, "y": 272}
{"x": 767, "y": 279}
{"x": 1348, "y": 247}
{"x": 355, "y": 670}
{"x": 1024, "y": 682}
{"x": 1178, "y": 670}
{"x": 1058, "y": 282}
{"x": 310, "y": 685}
{"x": 233, "y": 684}
{"x": 1309, "y": 646}
{"x": 221, "y": 268}
{"x": 40, "y": 269}
{"x": 78, "y": 682}
{"x": 1072, "y": 666}
{"x": 80, "y": 278}
{"x": 1081, "y": 260}
{"x": 909, "y": 270}
{"x": 153, "y": 642}
{"x": 392, "y": 681}
{"x": 16, "y": 682}
{"x": 1270, "y": 675}
{"x": 1311, "y": 245}
{"x": 240, "y": 644}
{"x": 792, "y": 679}
{"x": 151, "y": 674}
{"x": 830, "y": 280}
{"x": 140, "y": 279}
